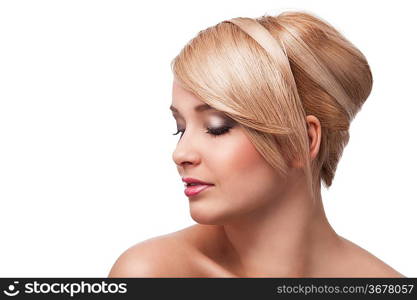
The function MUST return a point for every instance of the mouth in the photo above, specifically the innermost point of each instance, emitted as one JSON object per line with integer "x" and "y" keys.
{"x": 193, "y": 181}
{"x": 194, "y": 189}
{"x": 195, "y": 186}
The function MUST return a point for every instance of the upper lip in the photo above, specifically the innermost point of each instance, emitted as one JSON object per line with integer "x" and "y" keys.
{"x": 189, "y": 180}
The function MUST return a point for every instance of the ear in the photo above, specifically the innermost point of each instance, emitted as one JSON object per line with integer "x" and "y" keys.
{"x": 314, "y": 137}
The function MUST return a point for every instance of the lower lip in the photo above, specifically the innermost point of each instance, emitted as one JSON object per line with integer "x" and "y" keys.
{"x": 194, "y": 190}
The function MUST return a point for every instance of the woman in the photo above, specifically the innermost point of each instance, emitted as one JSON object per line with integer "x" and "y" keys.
{"x": 264, "y": 108}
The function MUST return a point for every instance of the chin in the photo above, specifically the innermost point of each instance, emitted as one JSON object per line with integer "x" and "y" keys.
{"x": 207, "y": 216}
{"x": 204, "y": 218}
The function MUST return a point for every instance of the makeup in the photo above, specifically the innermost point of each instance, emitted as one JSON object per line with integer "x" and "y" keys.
{"x": 195, "y": 189}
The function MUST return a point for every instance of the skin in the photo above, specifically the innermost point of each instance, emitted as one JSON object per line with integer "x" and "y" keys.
{"x": 249, "y": 204}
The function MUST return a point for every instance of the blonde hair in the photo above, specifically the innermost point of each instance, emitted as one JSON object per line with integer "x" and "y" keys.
{"x": 269, "y": 73}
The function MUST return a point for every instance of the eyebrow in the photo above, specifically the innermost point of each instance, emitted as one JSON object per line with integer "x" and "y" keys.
{"x": 198, "y": 108}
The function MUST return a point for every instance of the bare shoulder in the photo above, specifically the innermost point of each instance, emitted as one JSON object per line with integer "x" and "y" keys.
{"x": 170, "y": 255}
{"x": 361, "y": 263}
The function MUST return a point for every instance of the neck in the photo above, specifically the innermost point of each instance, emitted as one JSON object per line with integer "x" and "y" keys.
{"x": 286, "y": 239}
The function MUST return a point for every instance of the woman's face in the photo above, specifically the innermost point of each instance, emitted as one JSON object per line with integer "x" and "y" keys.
{"x": 243, "y": 181}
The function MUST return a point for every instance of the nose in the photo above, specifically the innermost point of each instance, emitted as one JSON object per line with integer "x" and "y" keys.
{"x": 186, "y": 151}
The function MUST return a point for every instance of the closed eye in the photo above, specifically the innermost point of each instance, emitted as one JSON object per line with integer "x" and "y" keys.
{"x": 212, "y": 131}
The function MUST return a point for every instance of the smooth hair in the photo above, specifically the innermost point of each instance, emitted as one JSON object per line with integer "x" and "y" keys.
{"x": 269, "y": 73}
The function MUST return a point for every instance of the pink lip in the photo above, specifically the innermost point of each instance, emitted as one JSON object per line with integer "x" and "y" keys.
{"x": 193, "y": 180}
{"x": 194, "y": 190}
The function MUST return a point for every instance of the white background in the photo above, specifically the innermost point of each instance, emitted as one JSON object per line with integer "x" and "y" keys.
{"x": 86, "y": 140}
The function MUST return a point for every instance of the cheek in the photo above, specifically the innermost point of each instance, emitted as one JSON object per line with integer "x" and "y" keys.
{"x": 240, "y": 169}
{"x": 244, "y": 181}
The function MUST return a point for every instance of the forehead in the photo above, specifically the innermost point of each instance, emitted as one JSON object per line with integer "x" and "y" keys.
{"x": 182, "y": 99}
{"x": 179, "y": 93}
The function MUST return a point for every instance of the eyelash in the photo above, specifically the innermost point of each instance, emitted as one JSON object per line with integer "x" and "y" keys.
{"x": 212, "y": 131}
